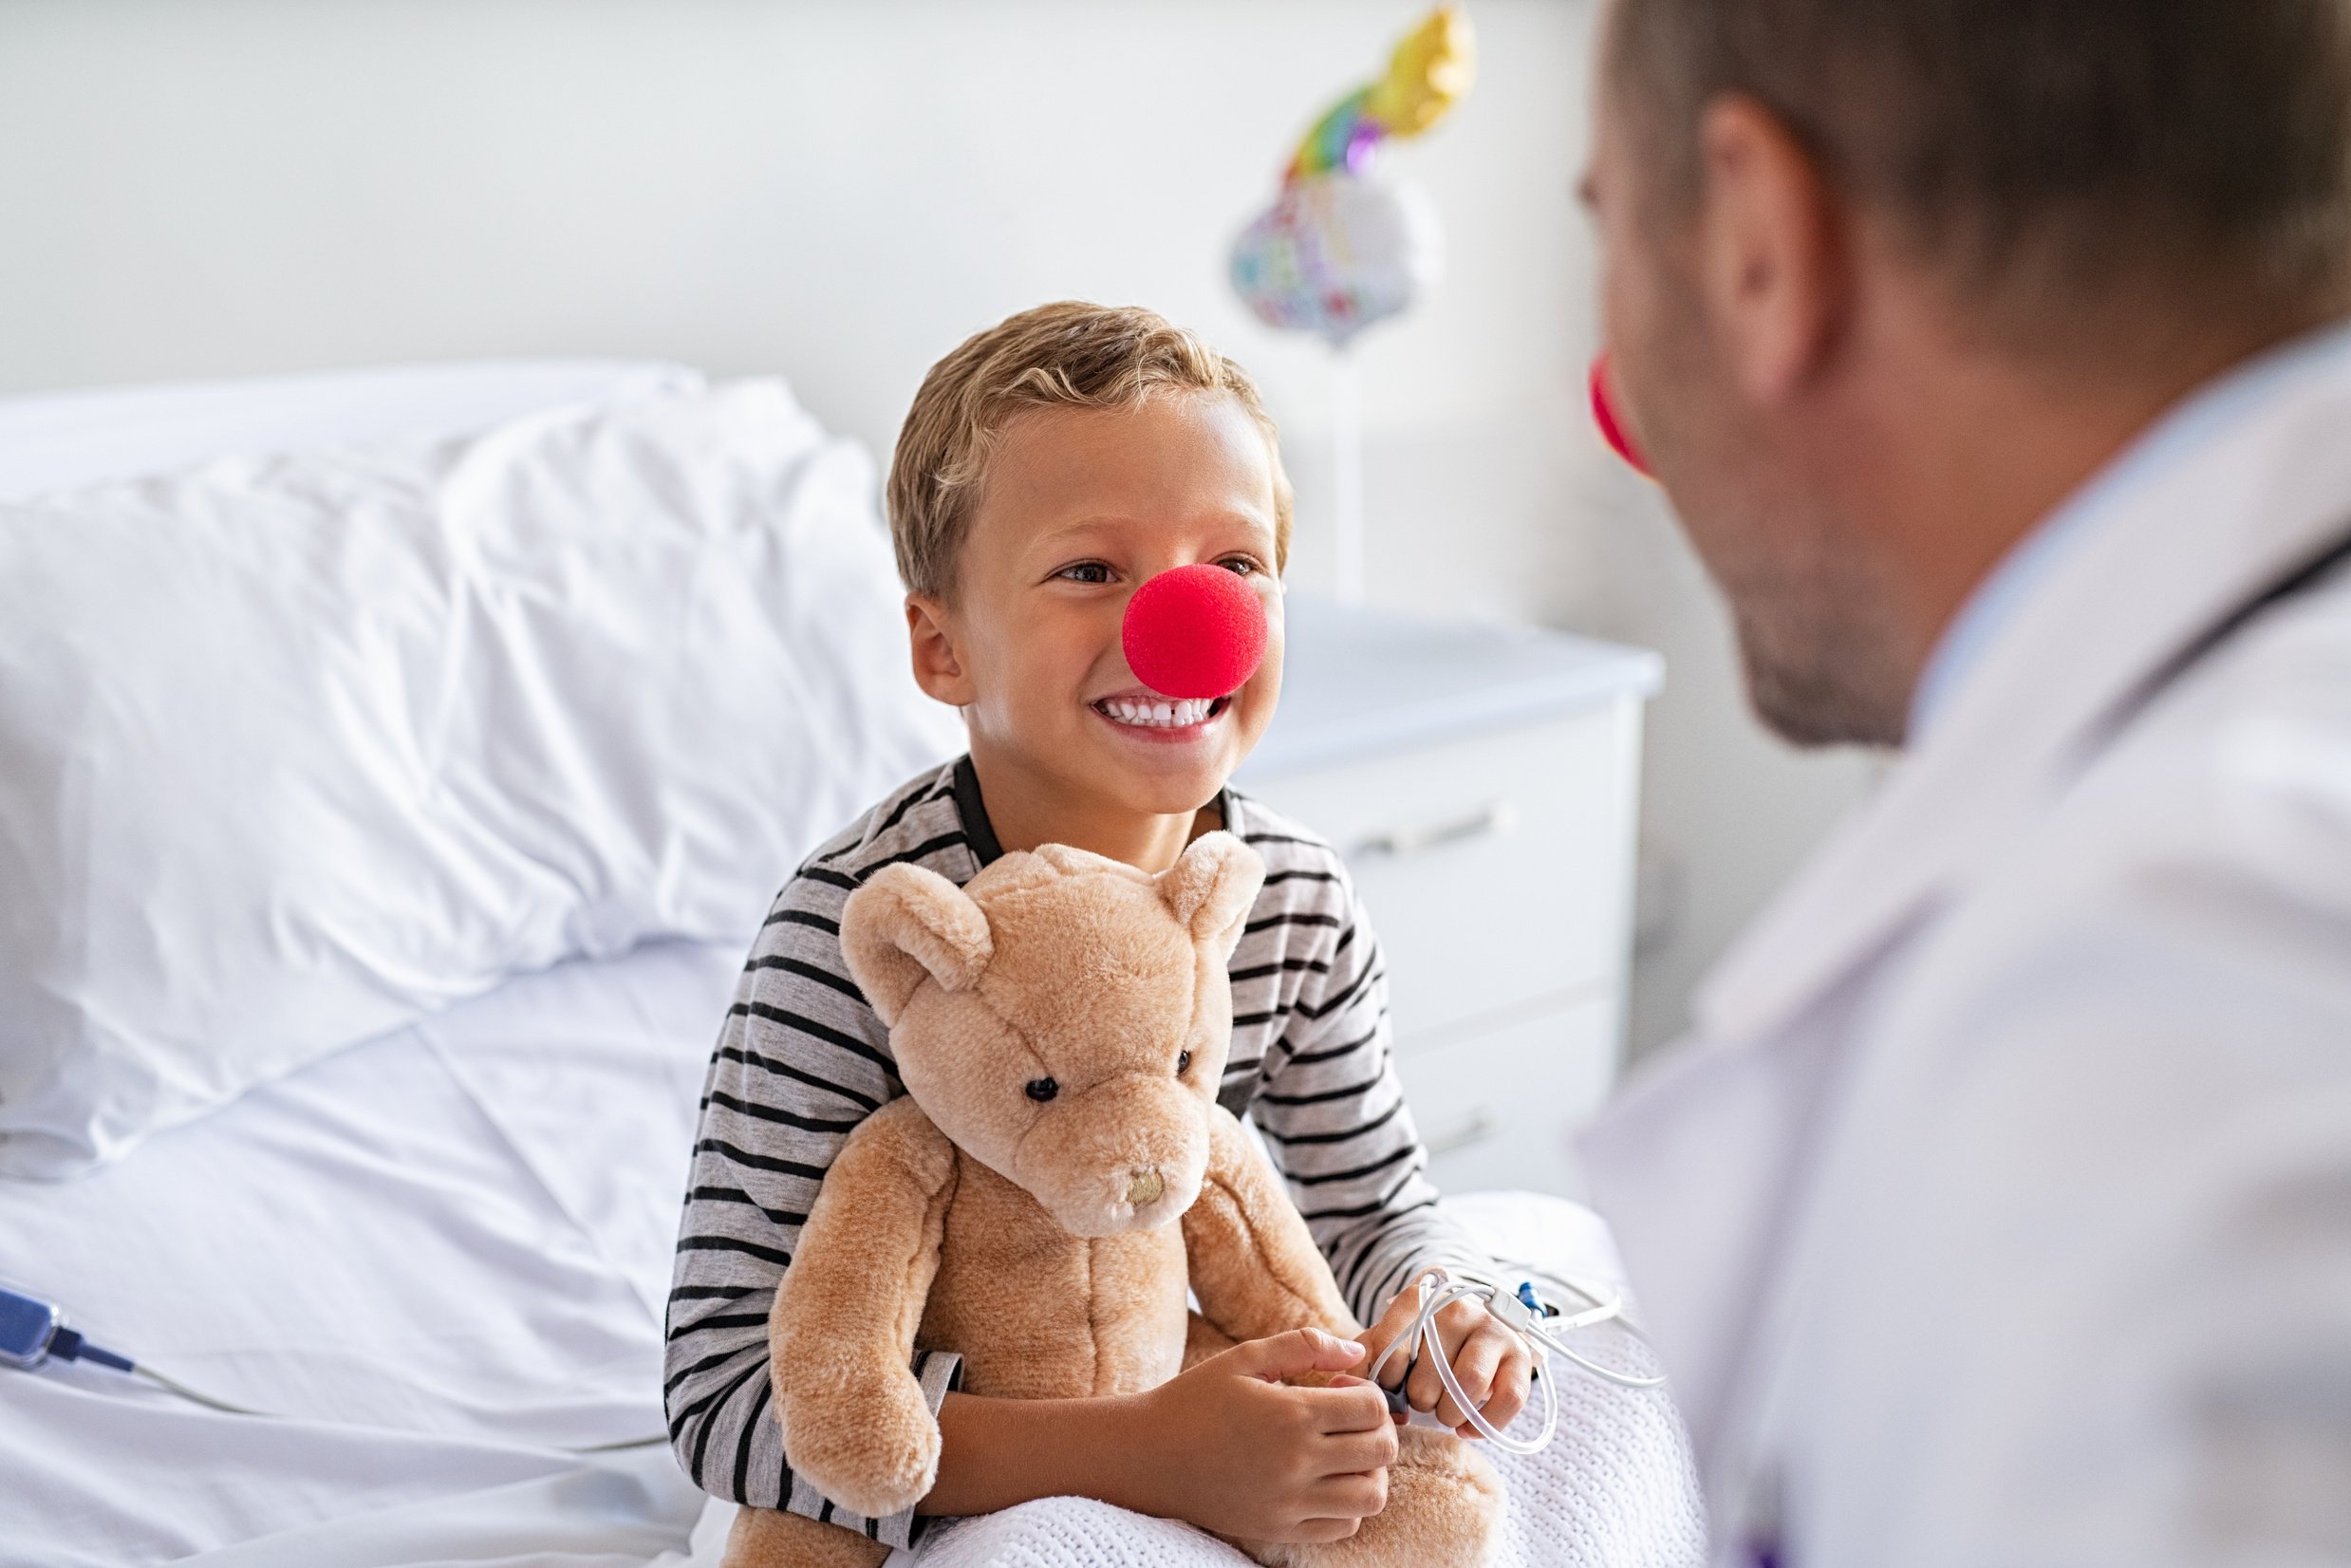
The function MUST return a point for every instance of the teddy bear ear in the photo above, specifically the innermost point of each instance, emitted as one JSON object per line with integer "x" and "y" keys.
{"x": 1210, "y": 888}
{"x": 907, "y": 925}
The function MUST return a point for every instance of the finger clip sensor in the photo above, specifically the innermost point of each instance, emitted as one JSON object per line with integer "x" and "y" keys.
{"x": 1525, "y": 1313}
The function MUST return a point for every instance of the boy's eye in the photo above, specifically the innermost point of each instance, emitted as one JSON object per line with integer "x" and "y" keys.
{"x": 1184, "y": 1062}
{"x": 1085, "y": 571}
{"x": 1239, "y": 566}
{"x": 1041, "y": 1089}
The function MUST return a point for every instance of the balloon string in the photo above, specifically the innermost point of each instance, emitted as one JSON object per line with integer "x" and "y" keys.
{"x": 1347, "y": 476}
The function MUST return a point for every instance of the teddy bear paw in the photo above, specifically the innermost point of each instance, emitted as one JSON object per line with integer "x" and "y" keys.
{"x": 869, "y": 1444}
{"x": 1445, "y": 1505}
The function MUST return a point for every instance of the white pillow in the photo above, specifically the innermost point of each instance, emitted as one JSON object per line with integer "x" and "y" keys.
{"x": 52, "y": 440}
{"x": 295, "y": 750}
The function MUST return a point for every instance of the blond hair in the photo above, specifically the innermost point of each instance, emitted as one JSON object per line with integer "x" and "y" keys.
{"x": 1070, "y": 354}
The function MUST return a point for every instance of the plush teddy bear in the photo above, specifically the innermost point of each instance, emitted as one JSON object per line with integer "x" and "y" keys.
{"x": 1056, "y": 1175}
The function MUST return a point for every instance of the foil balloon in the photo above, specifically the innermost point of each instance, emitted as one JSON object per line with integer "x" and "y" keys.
{"x": 1335, "y": 254}
{"x": 1344, "y": 244}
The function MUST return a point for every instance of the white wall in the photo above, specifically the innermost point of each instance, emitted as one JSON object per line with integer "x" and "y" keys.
{"x": 199, "y": 188}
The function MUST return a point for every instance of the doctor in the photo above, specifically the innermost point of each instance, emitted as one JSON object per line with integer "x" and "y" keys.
{"x": 1999, "y": 1211}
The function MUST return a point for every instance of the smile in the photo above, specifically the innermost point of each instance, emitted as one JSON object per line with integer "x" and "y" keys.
{"x": 1161, "y": 713}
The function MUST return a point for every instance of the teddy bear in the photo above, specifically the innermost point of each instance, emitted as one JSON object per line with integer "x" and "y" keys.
{"x": 1056, "y": 1177}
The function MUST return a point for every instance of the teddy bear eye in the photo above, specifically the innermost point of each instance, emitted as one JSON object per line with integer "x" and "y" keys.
{"x": 1041, "y": 1089}
{"x": 1184, "y": 1062}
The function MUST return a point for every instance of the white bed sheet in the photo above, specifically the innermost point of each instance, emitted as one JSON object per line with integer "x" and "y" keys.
{"x": 443, "y": 1256}
{"x": 444, "y": 1252}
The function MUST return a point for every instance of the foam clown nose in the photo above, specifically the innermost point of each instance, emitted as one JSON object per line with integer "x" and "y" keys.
{"x": 1194, "y": 631}
{"x": 1611, "y": 428}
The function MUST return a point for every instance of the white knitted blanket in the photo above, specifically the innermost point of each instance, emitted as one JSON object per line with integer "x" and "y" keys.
{"x": 1615, "y": 1489}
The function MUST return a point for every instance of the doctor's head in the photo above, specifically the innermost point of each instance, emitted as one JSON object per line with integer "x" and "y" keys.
{"x": 1884, "y": 280}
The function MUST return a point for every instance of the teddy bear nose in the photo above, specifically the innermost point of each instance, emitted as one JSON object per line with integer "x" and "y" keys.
{"x": 1144, "y": 1186}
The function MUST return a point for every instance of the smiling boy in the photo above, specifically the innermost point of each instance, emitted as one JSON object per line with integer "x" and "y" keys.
{"x": 1049, "y": 467}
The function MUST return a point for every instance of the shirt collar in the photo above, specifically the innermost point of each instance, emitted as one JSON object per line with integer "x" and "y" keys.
{"x": 2165, "y": 445}
{"x": 986, "y": 849}
{"x": 974, "y": 810}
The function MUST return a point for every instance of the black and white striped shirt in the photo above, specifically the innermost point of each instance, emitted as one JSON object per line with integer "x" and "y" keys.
{"x": 802, "y": 1060}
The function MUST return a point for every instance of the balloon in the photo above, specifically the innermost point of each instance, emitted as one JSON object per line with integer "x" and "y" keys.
{"x": 1336, "y": 253}
{"x": 1194, "y": 631}
{"x": 1429, "y": 72}
{"x": 1342, "y": 246}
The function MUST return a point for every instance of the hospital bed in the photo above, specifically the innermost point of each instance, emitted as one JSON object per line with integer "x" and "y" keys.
{"x": 436, "y": 1253}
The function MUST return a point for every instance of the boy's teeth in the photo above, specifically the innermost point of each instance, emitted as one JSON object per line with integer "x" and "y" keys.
{"x": 1164, "y": 716}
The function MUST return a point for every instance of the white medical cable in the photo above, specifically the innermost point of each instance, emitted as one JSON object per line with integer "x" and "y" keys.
{"x": 64, "y": 1343}
{"x": 1438, "y": 1291}
{"x": 172, "y": 1386}
{"x": 1604, "y": 1309}
{"x": 1524, "y": 1315}
{"x": 660, "y": 1442}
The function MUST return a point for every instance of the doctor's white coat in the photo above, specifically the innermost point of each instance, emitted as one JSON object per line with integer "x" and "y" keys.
{"x": 1999, "y": 1211}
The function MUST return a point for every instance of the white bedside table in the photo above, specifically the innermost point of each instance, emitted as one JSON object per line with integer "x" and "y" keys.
{"x": 1483, "y": 783}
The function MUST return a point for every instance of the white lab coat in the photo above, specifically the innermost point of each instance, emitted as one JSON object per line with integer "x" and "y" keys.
{"x": 1999, "y": 1210}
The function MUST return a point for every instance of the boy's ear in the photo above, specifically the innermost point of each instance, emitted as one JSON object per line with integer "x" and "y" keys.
{"x": 907, "y": 924}
{"x": 938, "y": 668}
{"x": 1210, "y": 888}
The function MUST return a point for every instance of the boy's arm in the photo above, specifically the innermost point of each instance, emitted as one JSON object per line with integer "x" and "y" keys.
{"x": 800, "y": 1063}
{"x": 1224, "y": 1444}
{"x": 1334, "y": 1116}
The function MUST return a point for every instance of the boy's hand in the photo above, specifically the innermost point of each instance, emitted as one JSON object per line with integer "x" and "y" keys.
{"x": 1227, "y": 1447}
{"x": 1489, "y": 1358}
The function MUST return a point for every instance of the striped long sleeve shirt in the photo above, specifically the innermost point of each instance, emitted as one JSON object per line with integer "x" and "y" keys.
{"x": 802, "y": 1060}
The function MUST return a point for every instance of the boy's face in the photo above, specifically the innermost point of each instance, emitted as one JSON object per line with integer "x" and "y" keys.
{"x": 1079, "y": 508}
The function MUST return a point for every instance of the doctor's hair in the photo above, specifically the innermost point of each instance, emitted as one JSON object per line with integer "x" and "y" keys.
{"x": 2049, "y": 156}
{"x": 1070, "y": 354}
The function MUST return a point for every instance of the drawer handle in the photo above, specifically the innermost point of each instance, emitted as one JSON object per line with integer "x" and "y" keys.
{"x": 1479, "y": 1125}
{"x": 1495, "y": 817}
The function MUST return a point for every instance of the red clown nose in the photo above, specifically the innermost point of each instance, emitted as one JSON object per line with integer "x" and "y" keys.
{"x": 1613, "y": 428}
{"x": 1194, "y": 631}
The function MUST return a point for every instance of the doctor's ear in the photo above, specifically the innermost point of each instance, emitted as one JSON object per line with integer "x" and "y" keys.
{"x": 938, "y": 667}
{"x": 1772, "y": 261}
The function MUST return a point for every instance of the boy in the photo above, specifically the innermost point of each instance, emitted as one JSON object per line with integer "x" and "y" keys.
{"x": 1048, "y": 467}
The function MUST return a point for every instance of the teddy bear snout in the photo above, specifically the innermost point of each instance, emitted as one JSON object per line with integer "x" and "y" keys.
{"x": 1128, "y": 1154}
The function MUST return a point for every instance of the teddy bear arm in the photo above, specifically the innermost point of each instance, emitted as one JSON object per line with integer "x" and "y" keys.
{"x": 841, "y": 1336}
{"x": 1253, "y": 1264}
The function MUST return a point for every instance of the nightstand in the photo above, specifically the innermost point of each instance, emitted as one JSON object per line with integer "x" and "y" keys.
{"x": 1483, "y": 783}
